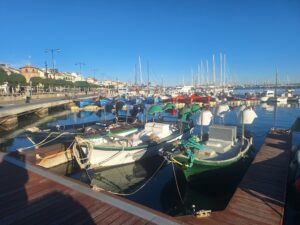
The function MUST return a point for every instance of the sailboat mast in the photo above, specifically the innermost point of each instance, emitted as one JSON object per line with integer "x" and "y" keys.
{"x": 221, "y": 68}
{"x": 207, "y": 73}
{"x": 193, "y": 81}
{"x": 148, "y": 77}
{"x": 199, "y": 82}
{"x": 224, "y": 71}
{"x": 141, "y": 74}
{"x": 201, "y": 75}
{"x": 214, "y": 70}
{"x": 135, "y": 76}
{"x": 276, "y": 83}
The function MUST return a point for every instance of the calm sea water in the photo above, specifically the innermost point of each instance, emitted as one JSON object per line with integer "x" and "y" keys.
{"x": 161, "y": 193}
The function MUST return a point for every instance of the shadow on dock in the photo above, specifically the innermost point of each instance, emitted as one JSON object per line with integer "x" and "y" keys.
{"x": 23, "y": 202}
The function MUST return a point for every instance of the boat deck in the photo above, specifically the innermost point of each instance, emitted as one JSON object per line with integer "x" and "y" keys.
{"x": 260, "y": 197}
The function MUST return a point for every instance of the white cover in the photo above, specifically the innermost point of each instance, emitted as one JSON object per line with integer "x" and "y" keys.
{"x": 221, "y": 109}
{"x": 248, "y": 116}
{"x": 205, "y": 118}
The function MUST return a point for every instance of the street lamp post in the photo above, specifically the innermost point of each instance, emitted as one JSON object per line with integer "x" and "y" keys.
{"x": 52, "y": 50}
{"x": 80, "y": 64}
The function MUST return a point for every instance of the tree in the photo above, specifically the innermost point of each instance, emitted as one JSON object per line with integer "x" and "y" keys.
{"x": 36, "y": 81}
{"x": 48, "y": 82}
{"x": 15, "y": 79}
{"x": 3, "y": 76}
{"x": 81, "y": 84}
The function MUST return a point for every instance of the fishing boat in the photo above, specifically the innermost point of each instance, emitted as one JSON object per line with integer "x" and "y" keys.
{"x": 281, "y": 99}
{"x": 266, "y": 95}
{"x": 222, "y": 148}
{"x": 66, "y": 133}
{"x": 127, "y": 145}
{"x": 105, "y": 101}
{"x": 125, "y": 179}
{"x": 84, "y": 102}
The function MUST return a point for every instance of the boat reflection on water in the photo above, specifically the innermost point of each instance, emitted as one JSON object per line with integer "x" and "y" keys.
{"x": 267, "y": 107}
{"x": 272, "y": 106}
{"x": 128, "y": 178}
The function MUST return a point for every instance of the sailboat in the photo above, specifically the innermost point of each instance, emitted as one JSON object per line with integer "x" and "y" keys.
{"x": 281, "y": 99}
{"x": 223, "y": 148}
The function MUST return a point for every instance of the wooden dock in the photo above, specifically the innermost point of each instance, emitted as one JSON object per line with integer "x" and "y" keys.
{"x": 260, "y": 197}
{"x": 31, "y": 195}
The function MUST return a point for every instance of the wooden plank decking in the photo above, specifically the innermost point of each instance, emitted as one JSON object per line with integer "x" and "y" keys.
{"x": 26, "y": 197}
{"x": 260, "y": 197}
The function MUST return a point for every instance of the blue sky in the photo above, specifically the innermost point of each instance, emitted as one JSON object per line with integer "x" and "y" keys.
{"x": 174, "y": 36}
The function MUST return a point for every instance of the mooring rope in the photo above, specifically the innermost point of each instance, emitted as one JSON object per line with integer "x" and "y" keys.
{"x": 43, "y": 141}
{"x": 142, "y": 186}
{"x": 177, "y": 183}
{"x": 77, "y": 154}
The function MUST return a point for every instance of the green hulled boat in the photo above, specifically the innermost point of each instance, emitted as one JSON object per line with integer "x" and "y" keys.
{"x": 221, "y": 150}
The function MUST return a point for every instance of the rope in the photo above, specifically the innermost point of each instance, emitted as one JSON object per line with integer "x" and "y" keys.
{"x": 172, "y": 160}
{"x": 79, "y": 158}
{"x": 40, "y": 141}
{"x": 177, "y": 184}
{"x": 140, "y": 188}
{"x": 43, "y": 141}
{"x": 111, "y": 157}
{"x": 77, "y": 154}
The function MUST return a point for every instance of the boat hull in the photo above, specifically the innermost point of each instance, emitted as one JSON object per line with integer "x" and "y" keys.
{"x": 105, "y": 157}
{"x": 200, "y": 167}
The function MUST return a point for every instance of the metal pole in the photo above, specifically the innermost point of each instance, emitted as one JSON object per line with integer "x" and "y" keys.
{"x": 201, "y": 137}
{"x": 243, "y": 128}
{"x": 52, "y": 50}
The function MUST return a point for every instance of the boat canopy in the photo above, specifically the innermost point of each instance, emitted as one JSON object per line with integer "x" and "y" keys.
{"x": 155, "y": 109}
{"x": 169, "y": 106}
{"x": 195, "y": 108}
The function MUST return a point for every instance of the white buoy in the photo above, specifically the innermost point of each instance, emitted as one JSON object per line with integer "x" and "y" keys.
{"x": 247, "y": 116}
{"x": 221, "y": 110}
{"x": 205, "y": 118}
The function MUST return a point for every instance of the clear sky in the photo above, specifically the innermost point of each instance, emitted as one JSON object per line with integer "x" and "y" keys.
{"x": 174, "y": 36}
